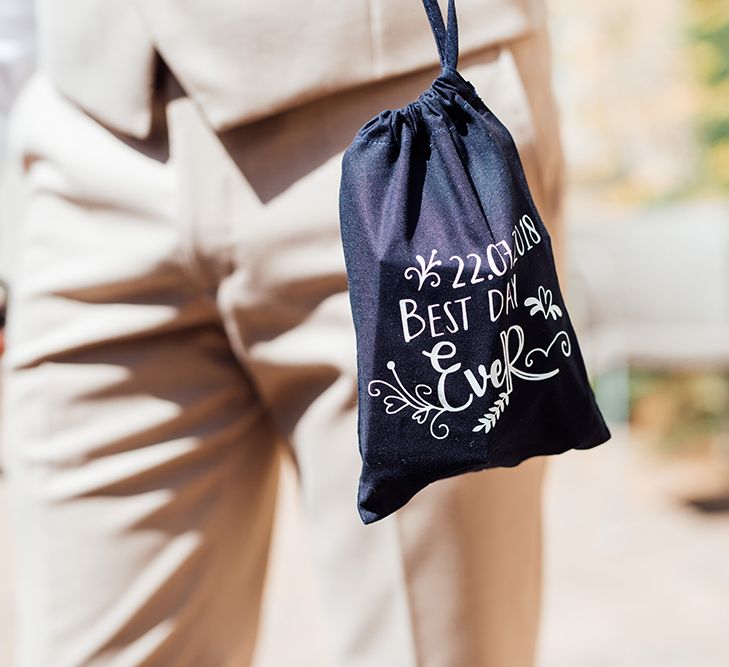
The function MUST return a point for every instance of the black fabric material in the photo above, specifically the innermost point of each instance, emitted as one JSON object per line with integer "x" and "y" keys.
{"x": 466, "y": 355}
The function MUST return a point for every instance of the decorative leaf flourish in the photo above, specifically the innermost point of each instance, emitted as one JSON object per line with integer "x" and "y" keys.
{"x": 488, "y": 421}
{"x": 425, "y": 271}
{"x": 400, "y": 398}
{"x": 542, "y": 303}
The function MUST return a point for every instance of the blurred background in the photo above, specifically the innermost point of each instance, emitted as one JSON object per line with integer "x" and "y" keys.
{"x": 637, "y": 532}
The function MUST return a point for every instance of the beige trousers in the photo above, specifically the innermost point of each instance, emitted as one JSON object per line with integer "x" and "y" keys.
{"x": 179, "y": 320}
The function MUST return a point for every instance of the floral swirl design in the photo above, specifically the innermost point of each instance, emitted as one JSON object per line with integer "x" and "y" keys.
{"x": 565, "y": 346}
{"x": 399, "y": 398}
{"x": 425, "y": 271}
{"x": 542, "y": 303}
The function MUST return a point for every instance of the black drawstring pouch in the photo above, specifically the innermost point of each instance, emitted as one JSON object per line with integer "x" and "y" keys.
{"x": 466, "y": 355}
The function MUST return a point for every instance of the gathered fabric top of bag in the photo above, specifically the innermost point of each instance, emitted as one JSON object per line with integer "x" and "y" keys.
{"x": 442, "y": 95}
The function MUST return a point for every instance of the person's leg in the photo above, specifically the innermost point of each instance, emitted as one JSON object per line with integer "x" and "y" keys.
{"x": 141, "y": 466}
{"x": 454, "y": 578}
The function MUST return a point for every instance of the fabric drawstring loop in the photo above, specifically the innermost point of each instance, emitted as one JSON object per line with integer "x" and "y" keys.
{"x": 446, "y": 38}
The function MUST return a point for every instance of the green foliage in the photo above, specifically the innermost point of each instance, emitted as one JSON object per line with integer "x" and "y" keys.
{"x": 680, "y": 409}
{"x": 709, "y": 44}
